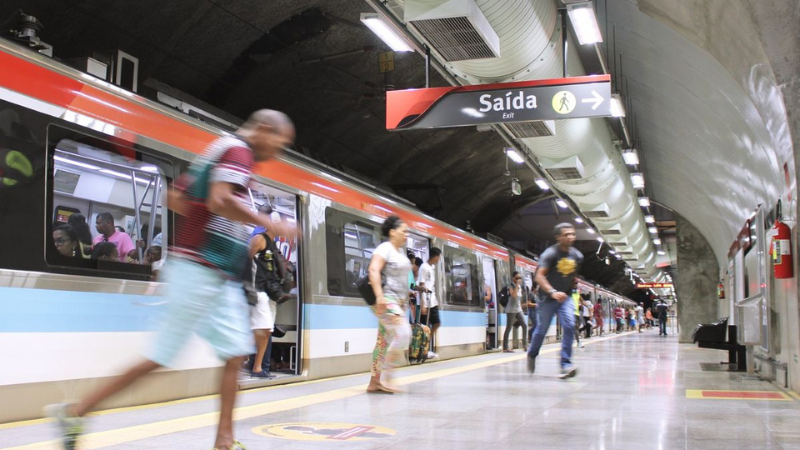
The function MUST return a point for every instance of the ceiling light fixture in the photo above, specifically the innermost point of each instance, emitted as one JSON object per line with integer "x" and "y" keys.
{"x": 584, "y": 21}
{"x": 657, "y": 241}
{"x": 617, "y": 107}
{"x": 644, "y": 202}
{"x": 637, "y": 179}
{"x": 393, "y": 39}
{"x": 578, "y": 220}
{"x": 653, "y": 230}
{"x": 562, "y": 204}
{"x": 600, "y": 240}
{"x": 542, "y": 183}
{"x": 631, "y": 157}
{"x": 590, "y": 231}
{"x": 662, "y": 252}
{"x": 649, "y": 219}
{"x": 515, "y": 156}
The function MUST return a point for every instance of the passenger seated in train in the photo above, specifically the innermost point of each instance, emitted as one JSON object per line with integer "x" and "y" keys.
{"x": 78, "y": 222}
{"x": 109, "y": 233}
{"x": 66, "y": 241}
{"x": 105, "y": 251}
{"x": 152, "y": 258}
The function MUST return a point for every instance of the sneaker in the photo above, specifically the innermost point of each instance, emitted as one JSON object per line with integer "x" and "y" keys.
{"x": 262, "y": 374}
{"x": 236, "y": 446}
{"x": 71, "y": 427}
{"x": 581, "y": 345}
{"x": 531, "y": 365}
{"x": 432, "y": 355}
{"x": 568, "y": 372}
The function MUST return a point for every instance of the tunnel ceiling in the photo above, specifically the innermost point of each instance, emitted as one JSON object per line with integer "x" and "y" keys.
{"x": 710, "y": 116}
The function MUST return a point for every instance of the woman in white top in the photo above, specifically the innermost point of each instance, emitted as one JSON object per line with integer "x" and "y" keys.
{"x": 394, "y": 331}
{"x": 514, "y": 317}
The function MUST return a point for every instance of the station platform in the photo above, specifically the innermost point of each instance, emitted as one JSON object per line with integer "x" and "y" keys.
{"x": 633, "y": 391}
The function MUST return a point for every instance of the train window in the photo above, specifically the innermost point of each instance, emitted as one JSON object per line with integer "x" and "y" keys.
{"x": 106, "y": 207}
{"x": 419, "y": 246}
{"x": 461, "y": 277}
{"x": 350, "y": 242}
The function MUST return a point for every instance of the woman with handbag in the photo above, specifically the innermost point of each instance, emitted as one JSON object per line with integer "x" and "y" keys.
{"x": 389, "y": 261}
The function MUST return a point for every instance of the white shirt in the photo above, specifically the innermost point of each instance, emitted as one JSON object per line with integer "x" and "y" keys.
{"x": 427, "y": 278}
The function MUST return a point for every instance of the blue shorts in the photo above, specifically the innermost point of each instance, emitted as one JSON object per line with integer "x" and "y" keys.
{"x": 200, "y": 300}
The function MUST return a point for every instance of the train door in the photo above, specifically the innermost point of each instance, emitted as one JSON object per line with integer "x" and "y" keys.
{"x": 282, "y": 352}
{"x": 490, "y": 291}
{"x": 420, "y": 246}
{"x": 502, "y": 279}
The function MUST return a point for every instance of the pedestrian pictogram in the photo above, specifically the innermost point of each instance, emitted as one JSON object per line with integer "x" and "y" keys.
{"x": 324, "y": 431}
{"x": 564, "y": 102}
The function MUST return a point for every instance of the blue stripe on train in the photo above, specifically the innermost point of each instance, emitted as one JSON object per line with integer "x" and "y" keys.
{"x": 51, "y": 311}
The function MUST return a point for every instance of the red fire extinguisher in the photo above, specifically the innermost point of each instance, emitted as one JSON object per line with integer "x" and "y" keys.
{"x": 721, "y": 290}
{"x": 782, "y": 248}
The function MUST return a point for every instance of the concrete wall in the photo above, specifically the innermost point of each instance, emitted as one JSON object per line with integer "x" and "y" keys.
{"x": 696, "y": 283}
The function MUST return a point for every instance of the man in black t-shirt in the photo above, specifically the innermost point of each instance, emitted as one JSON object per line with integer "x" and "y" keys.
{"x": 661, "y": 311}
{"x": 558, "y": 267}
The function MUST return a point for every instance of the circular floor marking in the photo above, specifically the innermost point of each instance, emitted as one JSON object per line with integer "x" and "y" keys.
{"x": 324, "y": 431}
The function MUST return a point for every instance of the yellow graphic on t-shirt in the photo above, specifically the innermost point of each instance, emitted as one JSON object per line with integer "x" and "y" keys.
{"x": 566, "y": 266}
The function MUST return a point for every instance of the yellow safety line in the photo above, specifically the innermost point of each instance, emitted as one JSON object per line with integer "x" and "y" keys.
{"x": 698, "y": 394}
{"x": 122, "y": 435}
{"x": 794, "y": 395}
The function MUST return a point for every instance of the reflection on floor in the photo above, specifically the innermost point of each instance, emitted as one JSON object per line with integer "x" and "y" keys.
{"x": 634, "y": 391}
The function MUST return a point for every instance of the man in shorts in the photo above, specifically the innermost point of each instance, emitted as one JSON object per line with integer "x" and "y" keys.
{"x": 430, "y": 305}
{"x": 204, "y": 286}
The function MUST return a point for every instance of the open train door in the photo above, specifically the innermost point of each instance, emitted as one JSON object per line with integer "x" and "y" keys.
{"x": 283, "y": 351}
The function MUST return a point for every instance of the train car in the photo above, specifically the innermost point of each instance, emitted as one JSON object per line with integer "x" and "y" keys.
{"x": 71, "y": 144}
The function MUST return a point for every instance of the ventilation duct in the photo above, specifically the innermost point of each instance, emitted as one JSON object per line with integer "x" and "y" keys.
{"x": 616, "y": 230}
{"x": 537, "y": 128}
{"x": 599, "y": 211}
{"x": 568, "y": 169}
{"x": 457, "y": 29}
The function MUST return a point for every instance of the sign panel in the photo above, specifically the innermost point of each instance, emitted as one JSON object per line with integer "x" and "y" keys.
{"x": 653, "y": 285}
{"x": 524, "y": 101}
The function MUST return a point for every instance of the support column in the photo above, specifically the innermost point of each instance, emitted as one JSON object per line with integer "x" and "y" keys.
{"x": 696, "y": 282}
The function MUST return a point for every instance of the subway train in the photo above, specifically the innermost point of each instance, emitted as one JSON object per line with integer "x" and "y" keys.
{"x": 73, "y": 144}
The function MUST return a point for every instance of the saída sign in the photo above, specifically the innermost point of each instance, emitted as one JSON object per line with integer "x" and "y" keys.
{"x": 523, "y": 101}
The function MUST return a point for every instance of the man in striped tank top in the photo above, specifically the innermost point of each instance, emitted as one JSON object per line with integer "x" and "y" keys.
{"x": 203, "y": 276}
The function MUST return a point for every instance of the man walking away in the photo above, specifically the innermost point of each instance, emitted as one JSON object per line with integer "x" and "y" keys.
{"x": 204, "y": 276}
{"x": 661, "y": 310}
{"x": 558, "y": 267}
{"x": 639, "y": 316}
{"x": 430, "y": 305}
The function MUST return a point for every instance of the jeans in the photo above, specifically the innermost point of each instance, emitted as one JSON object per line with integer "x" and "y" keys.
{"x": 532, "y": 321}
{"x": 515, "y": 320}
{"x": 662, "y": 326}
{"x": 566, "y": 314}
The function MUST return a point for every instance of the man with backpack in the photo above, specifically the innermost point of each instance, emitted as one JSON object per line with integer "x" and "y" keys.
{"x": 558, "y": 267}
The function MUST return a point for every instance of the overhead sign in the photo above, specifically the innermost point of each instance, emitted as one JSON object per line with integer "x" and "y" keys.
{"x": 524, "y": 101}
{"x": 653, "y": 285}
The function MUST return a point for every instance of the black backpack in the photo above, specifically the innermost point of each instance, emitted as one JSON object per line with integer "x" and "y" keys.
{"x": 503, "y": 296}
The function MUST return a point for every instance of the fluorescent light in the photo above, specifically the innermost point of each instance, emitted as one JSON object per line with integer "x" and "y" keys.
{"x": 657, "y": 241}
{"x": 590, "y": 231}
{"x": 151, "y": 169}
{"x": 617, "y": 107}
{"x": 662, "y": 252}
{"x": 542, "y": 183}
{"x": 600, "y": 240}
{"x": 631, "y": 157}
{"x": 116, "y": 174}
{"x": 578, "y": 220}
{"x": 395, "y": 41}
{"x": 562, "y": 204}
{"x": 653, "y": 230}
{"x": 612, "y": 252}
{"x": 649, "y": 219}
{"x": 75, "y": 163}
{"x": 637, "y": 179}
{"x": 514, "y": 156}
{"x": 644, "y": 202}
{"x": 584, "y": 22}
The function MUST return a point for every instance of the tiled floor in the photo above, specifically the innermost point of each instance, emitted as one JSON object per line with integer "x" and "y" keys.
{"x": 630, "y": 394}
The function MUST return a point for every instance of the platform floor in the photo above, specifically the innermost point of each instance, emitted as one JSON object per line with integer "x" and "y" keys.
{"x": 633, "y": 391}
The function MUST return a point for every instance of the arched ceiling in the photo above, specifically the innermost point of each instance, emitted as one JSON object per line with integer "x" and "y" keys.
{"x": 699, "y": 75}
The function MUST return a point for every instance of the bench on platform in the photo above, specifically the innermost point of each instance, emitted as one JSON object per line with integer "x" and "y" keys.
{"x": 713, "y": 335}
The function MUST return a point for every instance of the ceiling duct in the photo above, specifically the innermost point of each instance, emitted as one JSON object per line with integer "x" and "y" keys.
{"x": 457, "y": 29}
{"x": 537, "y": 128}
{"x": 567, "y": 169}
{"x": 616, "y": 230}
{"x": 598, "y": 212}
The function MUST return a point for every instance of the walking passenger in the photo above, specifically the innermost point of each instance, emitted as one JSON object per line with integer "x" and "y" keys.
{"x": 204, "y": 287}
{"x": 639, "y": 316}
{"x": 558, "y": 267}
{"x": 576, "y": 299}
{"x": 649, "y": 318}
{"x": 586, "y": 316}
{"x": 430, "y": 304}
{"x": 533, "y": 315}
{"x": 661, "y": 310}
{"x": 598, "y": 317}
{"x": 619, "y": 317}
{"x": 394, "y": 331}
{"x": 514, "y": 317}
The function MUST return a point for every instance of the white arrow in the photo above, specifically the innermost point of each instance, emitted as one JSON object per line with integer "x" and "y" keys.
{"x": 597, "y": 99}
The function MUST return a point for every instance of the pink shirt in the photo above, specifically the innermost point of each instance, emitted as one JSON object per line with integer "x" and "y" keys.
{"x": 121, "y": 240}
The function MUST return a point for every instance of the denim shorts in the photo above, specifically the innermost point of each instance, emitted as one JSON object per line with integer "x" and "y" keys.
{"x": 201, "y": 300}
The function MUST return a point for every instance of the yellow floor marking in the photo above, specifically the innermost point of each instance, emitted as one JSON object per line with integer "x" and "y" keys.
{"x": 794, "y": 395}
{"x": 731, "y": 395}
{"x": 122, "y": 435}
